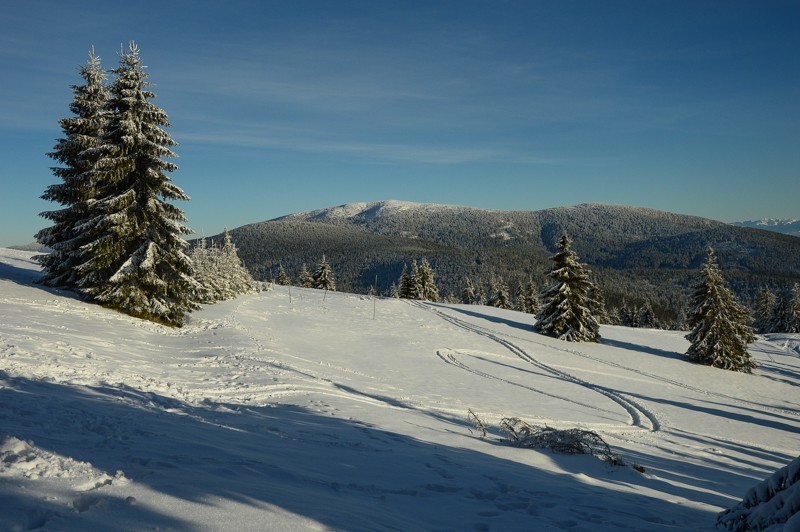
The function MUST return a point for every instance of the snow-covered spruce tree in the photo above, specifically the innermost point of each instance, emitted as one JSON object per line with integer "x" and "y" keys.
{"x": 795, "y": 306}
{"x": 203, "y": 268}
{"x": 237, "y": 278}
{"x": 567, "y": 308}
{"x": 405, "y": 283}
{"x": 468, "y": 296}
{"x": 283, "y": 278}
{"x": 786, "y": 315}
{"x": 720, "y": 325}
{"x": 764, "y": 310}
{"x": 781, "y": 320}
{"x": 681, "y": 321}
{"x": 480, "y": 296}
{"x": 219, "y": 271}
{"x": 646, "y": 318}
{"x": 772, "y": 504}
{"x": 527, "y": 299}
{"x": 305, "y": 277}
{"x": 627, "y": 315}
{"x": 498, "y": 294}
{"x": 323, "y": 276}
{"x": 531, "y": 303}
{"x": 612, "y": 317}
{"x": 77, "y": 153}
{"x": 599, "y": 310}
{"x": 427, "y": 290}
{"x": 414, "y": 286}
{"x": 135, "y": 253}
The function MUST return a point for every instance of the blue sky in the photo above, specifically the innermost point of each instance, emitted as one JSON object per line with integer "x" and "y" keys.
{"x": 685, "y": 106}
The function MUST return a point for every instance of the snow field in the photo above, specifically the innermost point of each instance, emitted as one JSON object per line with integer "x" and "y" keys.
{"x": 262, "y": 414}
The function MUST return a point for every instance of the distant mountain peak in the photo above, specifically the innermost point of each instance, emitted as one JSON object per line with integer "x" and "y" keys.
{"x": 786, "y": 226}
{"x": 379, "y": 209}
{"x": 371, "y": 210}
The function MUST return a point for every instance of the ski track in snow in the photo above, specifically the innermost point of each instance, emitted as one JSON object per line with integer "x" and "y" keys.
{"x": 639, "y": 416}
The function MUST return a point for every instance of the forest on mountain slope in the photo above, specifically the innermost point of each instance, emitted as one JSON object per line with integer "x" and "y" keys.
{"x": 636, "y": 255}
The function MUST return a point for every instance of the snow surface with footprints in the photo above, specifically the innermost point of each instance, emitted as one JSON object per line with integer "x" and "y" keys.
{"x": 334, "y": 412}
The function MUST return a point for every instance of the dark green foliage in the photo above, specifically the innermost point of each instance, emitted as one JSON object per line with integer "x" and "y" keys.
{"x": 469, "y": 296}
{"x": 135, "y": 259}
{"x": 786, "y": 312}
{"x": 425, "y": 283}
{"x": 414, "y": 282}
{"x": 405, "y": 289}
{"x": 527, "y": 299}
{"x": 323, "y": 277}
{"x": 568, "y": 310}
{"x": 764, "y": 310}
{"x": 499, "y": 295}
{"x": 283, "y": 278}
{"x": 77, "y": 152}
{"x": 720, "y": 325}
{"x": 305, "y": 277}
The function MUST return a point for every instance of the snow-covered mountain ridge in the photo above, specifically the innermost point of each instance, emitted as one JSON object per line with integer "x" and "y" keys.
{"x": 789, "y": 226}
{"x": 631, "y": 248}
{"x": 302, "y": 410}
{"x": 375, "y": 209}
{"x": 382, "y": 216}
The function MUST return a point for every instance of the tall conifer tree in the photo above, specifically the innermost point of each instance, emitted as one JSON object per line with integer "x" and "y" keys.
{"x": 427, "y": 291}
{"x": 305, "y": 277}
{"x": 468, "y": 295}
{"x": 405, "y": 283}
{"x": 499, "y": 296}
{"x": 720, "y": 325}
{"x": 136, "y": 252}
{"x": 323, "y": 277}
{"x": 283, "y": 278}
{"x": 528, "y": 298}
{"x": 78, "y": 154}
{"x": 567, "y": 307}
{"x": 764, "y": 310}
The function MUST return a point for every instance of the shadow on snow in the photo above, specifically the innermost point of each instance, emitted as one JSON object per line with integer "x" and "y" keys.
{"x": 339, "y": 472}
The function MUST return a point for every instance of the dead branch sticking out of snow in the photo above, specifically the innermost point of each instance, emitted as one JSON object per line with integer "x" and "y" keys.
{"x": 477, "y": 422}
{"x": 563, "y": 441}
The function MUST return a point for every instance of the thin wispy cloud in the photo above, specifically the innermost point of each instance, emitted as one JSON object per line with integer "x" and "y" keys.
{"x": 378, "y": 151}
{"x": 537, "y": 93}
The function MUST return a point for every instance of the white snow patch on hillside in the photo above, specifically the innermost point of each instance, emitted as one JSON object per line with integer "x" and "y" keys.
{"x": 334, "y": 413}
{"x": 377, "y": 209}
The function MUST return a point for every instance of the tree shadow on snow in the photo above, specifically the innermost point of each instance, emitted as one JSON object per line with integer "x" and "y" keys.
{"x": 29, "y": 277}
{"x": 642, "y": 348}
{"x": 342, "y": 473}
{"x": 527, "y": 327}
{"x": 23, "y": 276}
{"x": 719, "y": 413}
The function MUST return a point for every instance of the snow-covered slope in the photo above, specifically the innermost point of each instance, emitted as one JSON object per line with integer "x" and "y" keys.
{"x": 302, "y": 410}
